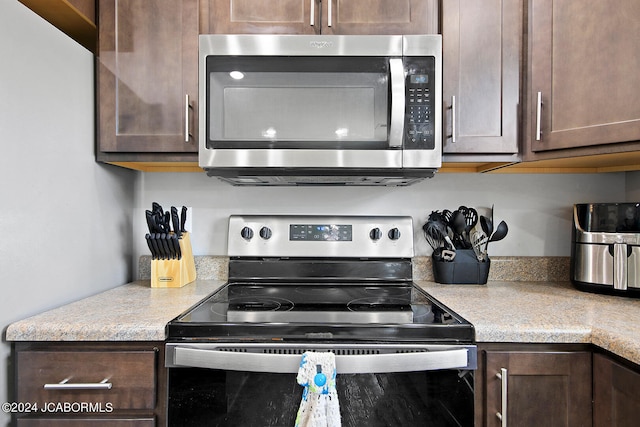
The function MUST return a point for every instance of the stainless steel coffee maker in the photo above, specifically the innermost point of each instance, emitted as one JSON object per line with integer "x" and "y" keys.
{"x": 605, "y": 250}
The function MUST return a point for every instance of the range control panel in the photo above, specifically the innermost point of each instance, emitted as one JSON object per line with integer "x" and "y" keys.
{"x": 320, "y": 236}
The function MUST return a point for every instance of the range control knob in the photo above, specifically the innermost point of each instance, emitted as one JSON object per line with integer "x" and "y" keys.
{"x": 246, "y": 233}
{"x": 394, "y": 234}
{"x": 265, "y": 233}
{"x": 375, "y": 234}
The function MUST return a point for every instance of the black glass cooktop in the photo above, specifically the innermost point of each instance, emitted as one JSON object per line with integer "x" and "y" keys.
{"x": 321, "y": 311}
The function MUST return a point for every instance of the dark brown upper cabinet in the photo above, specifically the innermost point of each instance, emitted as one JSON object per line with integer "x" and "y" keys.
{"x": 584, "y": 82}
{"x": 482, "y": 50}
{"x": 257, "y": 17}
{"x": 379, "y": 17}
{"x": 320, "y": 17}
{"x": 147, "y": 78}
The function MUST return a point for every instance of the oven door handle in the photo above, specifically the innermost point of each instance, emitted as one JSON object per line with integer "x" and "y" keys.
{"x": 455, "y": 358}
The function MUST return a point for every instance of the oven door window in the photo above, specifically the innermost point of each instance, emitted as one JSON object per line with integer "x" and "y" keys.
{"x": 212, "y": 397}
{"x": 297, "y": 102}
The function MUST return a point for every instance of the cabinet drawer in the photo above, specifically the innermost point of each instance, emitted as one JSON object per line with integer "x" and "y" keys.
{"x": 131, "y": 375}
{"x": 81, "y": 422}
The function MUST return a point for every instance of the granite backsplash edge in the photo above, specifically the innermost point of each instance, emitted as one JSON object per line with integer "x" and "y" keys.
{"x": 508, "y": 269}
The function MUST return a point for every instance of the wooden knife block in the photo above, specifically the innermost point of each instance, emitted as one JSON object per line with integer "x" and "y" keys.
{"x": 175, "y": 273}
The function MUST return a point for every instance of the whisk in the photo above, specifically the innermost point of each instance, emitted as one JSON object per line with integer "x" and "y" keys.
{"x": 434, "y": 241}
{"x": 436, "y": 229}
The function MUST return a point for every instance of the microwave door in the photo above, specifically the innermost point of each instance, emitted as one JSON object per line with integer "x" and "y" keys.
{"x": 305, "y": 103}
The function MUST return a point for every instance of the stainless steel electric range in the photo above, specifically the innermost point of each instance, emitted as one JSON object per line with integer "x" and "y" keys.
{"x": 342, "y": 284}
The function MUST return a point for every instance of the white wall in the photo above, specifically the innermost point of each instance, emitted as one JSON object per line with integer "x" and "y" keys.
{"x": 633, "y": 187}
{"x": 537, "y": 208}
{"x": 65, "y": 220}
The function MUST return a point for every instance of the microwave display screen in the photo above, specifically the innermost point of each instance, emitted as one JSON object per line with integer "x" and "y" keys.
{"x": 419, "y": 78}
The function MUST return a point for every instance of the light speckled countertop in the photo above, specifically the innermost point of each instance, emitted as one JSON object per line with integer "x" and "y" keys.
{"x": 519, "y": 310}
{"x": 132, "y": 312}
{"x": 545, "y": 312}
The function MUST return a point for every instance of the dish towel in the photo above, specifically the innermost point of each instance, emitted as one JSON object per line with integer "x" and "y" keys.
{"x": 319, "y": 406}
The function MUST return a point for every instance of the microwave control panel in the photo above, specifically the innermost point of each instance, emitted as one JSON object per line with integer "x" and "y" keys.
{"x": 420, "y": 104}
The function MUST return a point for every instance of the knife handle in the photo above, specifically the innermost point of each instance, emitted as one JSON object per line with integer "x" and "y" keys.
{"x": 165, "y": 245}
{"x": 153, "y": 252}
{"x": 151, "y": 223}
{"x": 163, "y": 253}
{"x": 176, "y": 246}
{"x": 175, "y": 220}
{"x": 157, "y": 223}
{"x": 183, "y": 219}
{"x": 172, "y": 249}
{"x": 156, "y": 248}
{"x": 167, "y": 222}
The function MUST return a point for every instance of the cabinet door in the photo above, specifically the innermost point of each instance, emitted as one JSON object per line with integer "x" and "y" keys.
{"x": 321, "y": 17}
{"x": 542, "y": 388}
{"x": 147, "y": 76}
{"x": 616, "y": 393}
{"x": 481, "y": 69}
{"x": 380, "y": 17}
{"x": 584, "y": 73}
{"x": 262, "y": 16}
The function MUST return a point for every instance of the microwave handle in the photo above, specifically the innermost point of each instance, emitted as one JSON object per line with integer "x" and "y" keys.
{"x": 396, "y": 128}
{"x": 457, "y": 358}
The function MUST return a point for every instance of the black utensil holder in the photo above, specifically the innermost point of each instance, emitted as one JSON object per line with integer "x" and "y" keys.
{"x": 465, "y": 269}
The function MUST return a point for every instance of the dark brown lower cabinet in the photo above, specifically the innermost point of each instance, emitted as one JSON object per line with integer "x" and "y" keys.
{"x": 115, "y": 384}
{"x": 81, "y": 422}
{"x": 616, "y": 394}
{"x": 534, "y": 388}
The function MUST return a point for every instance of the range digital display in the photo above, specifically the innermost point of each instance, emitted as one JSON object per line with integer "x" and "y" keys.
{"x": 320, "y": 232}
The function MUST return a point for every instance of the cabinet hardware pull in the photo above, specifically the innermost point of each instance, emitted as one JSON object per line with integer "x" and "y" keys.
{"x": 329, "y": 13}
{"x": 453, "y": 119}
{"x": 312, "y": 14}
{"x": 502, "y": 415}
{"x": 538, "y": 117}
{"x": 66, "y": 385}
{"x": 187, "y": 122}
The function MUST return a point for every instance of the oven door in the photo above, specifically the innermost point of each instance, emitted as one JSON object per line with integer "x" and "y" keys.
{"x": 381, "y": 384}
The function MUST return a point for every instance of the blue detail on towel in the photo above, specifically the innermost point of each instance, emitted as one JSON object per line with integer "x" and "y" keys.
{"x": 319, "y": 379}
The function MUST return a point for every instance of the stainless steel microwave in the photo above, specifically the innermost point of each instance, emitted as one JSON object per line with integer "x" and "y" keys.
{"x": 320, "y": 110}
